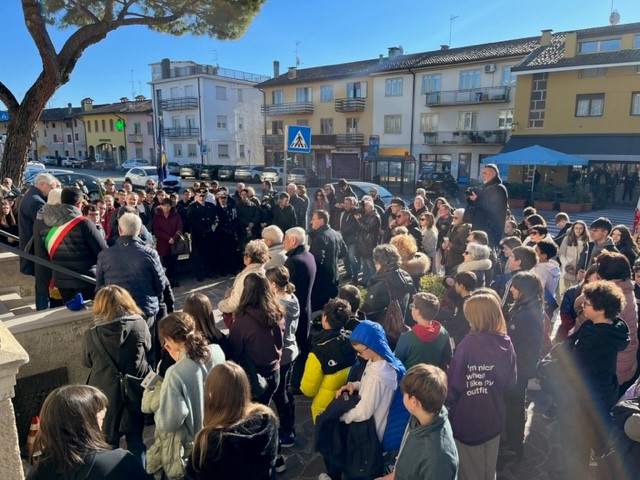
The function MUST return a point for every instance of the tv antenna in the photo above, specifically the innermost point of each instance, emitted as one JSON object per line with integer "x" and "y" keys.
{"x": 451, "y": 19}
{"x": 297, "y": 59}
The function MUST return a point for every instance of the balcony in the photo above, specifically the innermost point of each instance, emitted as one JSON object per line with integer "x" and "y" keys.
{"x": 183, "y": 103}
{"x": 182, "y": 132}
{"x": 467, "y": 137}
{"x": 299, "y": 108}
{"x": 273, "y": 140}
{"x": 467, "y": 97}
{"x": 349, "y": 139}
{"x": 344, "y": 105}
{"x": 135, "y": 138}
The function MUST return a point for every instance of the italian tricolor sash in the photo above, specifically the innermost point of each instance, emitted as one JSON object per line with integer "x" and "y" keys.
{"x": 56, "y": 234}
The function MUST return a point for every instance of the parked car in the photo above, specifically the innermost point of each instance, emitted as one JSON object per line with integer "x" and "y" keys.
{"x": 173, "y": 168}
{"x": 100, "y": 163}
{"x": 209, "y": 172}
{"x": 68, "y": 178}
{"x": 49, "y": 159}
{"x": 133, "y": 162}
{"x": 138, "y": 176}
{"x": 274, "y": 174}
{"x": 72, "y": 162}
{"x": 34, "y": 167}
{"x": 226, "y": 172}
{"x": 297, "y": 175}
{"x": 248, "y": 173}
{"x": 362, "y": 188}
{"x": 190, "y": 170}
{"x": 439, "y": 184}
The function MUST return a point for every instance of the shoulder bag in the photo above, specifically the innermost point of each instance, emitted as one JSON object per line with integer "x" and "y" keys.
{"x": 182, "y": 246}
{"x": 393, "y": 320}
{"x": 130, "y": 388}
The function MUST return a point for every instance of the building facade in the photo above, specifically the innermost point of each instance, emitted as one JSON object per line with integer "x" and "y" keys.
{"x": 207, "y": 114}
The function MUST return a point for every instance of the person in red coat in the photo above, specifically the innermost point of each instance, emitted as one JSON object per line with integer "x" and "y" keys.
{"x": 167, "y": 227}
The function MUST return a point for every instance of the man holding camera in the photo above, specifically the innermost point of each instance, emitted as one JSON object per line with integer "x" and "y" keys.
{"x": 488, "y": 206}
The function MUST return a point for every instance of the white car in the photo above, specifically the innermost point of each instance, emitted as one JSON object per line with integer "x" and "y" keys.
{"x": 274, "y": 174}
{"x": 133, "y": 162}
{"x": 138, "y": 177}
{"x": 34, "y": 167}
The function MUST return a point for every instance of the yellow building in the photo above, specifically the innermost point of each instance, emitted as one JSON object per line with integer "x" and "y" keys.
{"x": 579, "y": 93}
{"x": 333, "y": 100}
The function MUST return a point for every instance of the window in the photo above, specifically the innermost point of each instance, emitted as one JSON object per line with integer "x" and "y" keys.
{"x": 177, "y": 149}
{"x": 240, "y": 123}
{"x": 189, "y": 91}
{"x": 55, "y": 138}
{"x": 277, "y": 127}
{"x": 192, "y": 150}
{"x": 137, "y": 127}
{"x": 429, "y": 122}
{"x": 636, "y": 41}
{"x": 89, "y": 127}
{"x": 326, "y": 93}
{"x": 77, "y": 137}
{"x": 467, "y": 120}
{"x": 635, "y": 103}
{"x": 393, "y": 87}
{"x": 95, "y": 124}
{"x": 304, "y": 94}
{"x": 138, "y": 152}
{"x": 326, "y": 126}
{"x": 353, "y": 124}
{"x": 111, "y": 124}
{"x": 431, "y": 83}
{"x": 506, "y": 77}
{"x": 357, "y": 90}
{"x": 302, "y": 122}
{"x": 241, "y": 151}
{"x": 75, "y": 123}
{"x": 191, "y": 121}
{"x": 591, "y": 105}
{"x": 393, "y": 124}
{"x": 469, "y": 79}
{"x": 276, "y": 97}
{"x": 592, "y": 72}
{"x": 593, "y": 46}
{"x": 221, "y": 121}
{"x": 221, "y": 93}
{"x": 505, "y": 119}
{"x": 174, "y": 92}
{"x": 53, "y": 125}
{"x": 104, "y": 126}
{"x": 69, "y": 140}
{"x": 150, "y": 128}
{"x": 45, "y": 133}
{"x": 240, "y": 97}
{"x": 223, "y": 150}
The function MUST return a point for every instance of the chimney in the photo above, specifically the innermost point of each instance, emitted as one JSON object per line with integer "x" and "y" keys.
{"x": 124, "y": 99}
{"x": 140, "y": 98}
{"x": 292, "y": 73}
{"x": 381, "y": 58}
{"x": 545, "y": 38}
{"x": 276, "y": 69}
{"x": 69, "y": 109}
{"x": 444, "y": 47}
{"x": 395, "y": 51}
{"x": 86, "y": 104}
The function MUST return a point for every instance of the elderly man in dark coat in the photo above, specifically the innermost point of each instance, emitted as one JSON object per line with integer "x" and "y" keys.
{"x": 302, "y": 272}
{"x": 489, "y": 205}
{"x": 327, "y": 246}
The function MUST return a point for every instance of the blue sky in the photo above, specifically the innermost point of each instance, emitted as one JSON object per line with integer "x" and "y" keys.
{"x": 329, "y": 31}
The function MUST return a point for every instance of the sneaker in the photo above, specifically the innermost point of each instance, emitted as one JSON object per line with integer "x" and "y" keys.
{"x": 280, "y": 466}
{"x": 287, "y": 440}
{"x": 324, "y": 476}
{"x": 551, "y": 412}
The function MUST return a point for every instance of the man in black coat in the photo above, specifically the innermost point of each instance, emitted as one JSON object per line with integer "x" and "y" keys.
{"x": 302, "y": 273}
{"x": 327, "y": 246}
{"x": 203, "y": 220}
{"x": 298, "y": 204}
{"x": 227, "y": 256}
{"x": 31, "y": 203}
{"x": 349, "y": 228}
{"x": 489, "y": 205}
{"x": 284, "y": 215}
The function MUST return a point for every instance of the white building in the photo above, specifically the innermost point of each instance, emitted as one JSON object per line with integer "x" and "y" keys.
{"x": 209, "y": 115}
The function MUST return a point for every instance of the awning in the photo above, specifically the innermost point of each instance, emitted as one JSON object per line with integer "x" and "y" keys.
{"x": 585, "y": 145}
{"x": 535, "y": 155}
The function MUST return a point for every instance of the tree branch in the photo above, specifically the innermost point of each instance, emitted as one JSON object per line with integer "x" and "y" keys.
{"x": 38, "y": 30}
{"x": 85, "y": 11}
{"x": 8, "y": 98}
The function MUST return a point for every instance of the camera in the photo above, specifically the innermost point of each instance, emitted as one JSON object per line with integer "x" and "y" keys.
{"x": 470, "y": 190}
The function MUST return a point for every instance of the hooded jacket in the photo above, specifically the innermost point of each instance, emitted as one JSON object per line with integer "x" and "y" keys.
{"x": 126, "y": 339}
{"x": 428, "y": 451}
{"x": 480, "y": 267}
{"x": 590, "y": 250}
{"x": 79, "y": 248}
{"x": 549, "y": 275}
{"x": 483, "y": 367}
{"x": 425, "y": 344}
{"x": 380, "y": 394}
{"x": 245, "y": 450}
{"x": 386, "y": 286}
{"x": 291, "y": 317}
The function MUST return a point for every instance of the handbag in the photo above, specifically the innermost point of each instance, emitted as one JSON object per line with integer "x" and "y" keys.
{"x": 130, "y": 388}
{"x": 182, "y": 246}
{"x": 393, "y": 321}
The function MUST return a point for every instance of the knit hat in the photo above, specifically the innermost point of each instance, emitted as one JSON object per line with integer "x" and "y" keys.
{"x": 371, "y": 334}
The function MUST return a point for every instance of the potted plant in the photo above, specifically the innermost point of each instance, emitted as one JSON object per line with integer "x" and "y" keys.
{"x": 432, "y": 283}
{"x": 518, "y": 193}
{"x": 584, "y": 196}
{"x": 545, "y": 196}
{"x": 570, "y": 202}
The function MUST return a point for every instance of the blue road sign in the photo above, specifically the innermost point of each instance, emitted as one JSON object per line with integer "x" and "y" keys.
{"x": 4, "y": 116}
{"x": 298, "y": 139}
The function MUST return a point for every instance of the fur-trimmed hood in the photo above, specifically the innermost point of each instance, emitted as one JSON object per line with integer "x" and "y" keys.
{"x": 54, "y": 215}
{"x": 417, "y": 265}
{"x": 475, "y": 266}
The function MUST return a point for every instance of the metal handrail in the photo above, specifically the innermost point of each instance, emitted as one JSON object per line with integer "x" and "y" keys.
{"x": 42, "y": 261}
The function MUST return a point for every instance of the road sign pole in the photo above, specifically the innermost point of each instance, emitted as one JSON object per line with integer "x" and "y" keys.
{"x": 286, "y": 151}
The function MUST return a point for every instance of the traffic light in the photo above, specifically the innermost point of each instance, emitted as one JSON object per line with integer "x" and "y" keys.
{"x": 119, "y": 124}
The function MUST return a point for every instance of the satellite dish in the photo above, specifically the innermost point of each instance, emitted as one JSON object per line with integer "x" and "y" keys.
{"x": 614, "y": 18}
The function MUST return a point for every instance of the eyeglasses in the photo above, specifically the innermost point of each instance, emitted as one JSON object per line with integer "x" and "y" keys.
{"x": 423, "y": 219}
{"x": 466, "y": 253}
{"x": 360, "y": 352}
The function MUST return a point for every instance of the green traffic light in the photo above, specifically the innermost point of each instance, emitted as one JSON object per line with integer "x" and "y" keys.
{"x": 119, "y": 124}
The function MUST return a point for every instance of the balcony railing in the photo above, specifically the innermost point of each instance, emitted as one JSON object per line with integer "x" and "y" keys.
{"x": 273, "y": 140}
{"x": 183, "y": 103}
{"x": 182, "y": 132}
{"x": 135, "y": 138}
{"x": 473, "y": 96}
{"x": 349, "y": 139}
{"x": 287, "y": 108}
{"x": 467, "y": 137}
{"x": 343, "y": 105}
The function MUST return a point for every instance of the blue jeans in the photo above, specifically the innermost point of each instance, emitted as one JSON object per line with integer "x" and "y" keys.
{"x": 42, "y": 299}
{"x": 368, "y": 269}
{"x": 351, "y": 264}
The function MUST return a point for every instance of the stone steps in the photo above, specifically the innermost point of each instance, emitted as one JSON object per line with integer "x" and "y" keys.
{"x": 12, "y": 305}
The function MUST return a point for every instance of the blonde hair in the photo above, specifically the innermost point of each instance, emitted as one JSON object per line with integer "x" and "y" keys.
{"x": 405, "y": 244}
{"x": 113, "y": 301}
{"x": 484, "y": 314}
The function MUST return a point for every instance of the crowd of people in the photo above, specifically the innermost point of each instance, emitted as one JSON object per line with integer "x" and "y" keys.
{"x": 404, "y": 384}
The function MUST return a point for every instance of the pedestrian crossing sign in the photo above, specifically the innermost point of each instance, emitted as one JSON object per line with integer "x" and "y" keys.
{"x": 298, "y": 139}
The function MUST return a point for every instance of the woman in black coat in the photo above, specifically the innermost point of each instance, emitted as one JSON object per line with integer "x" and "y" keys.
{"x": 389, "y": 283}
{"x": 125, "y": 336}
